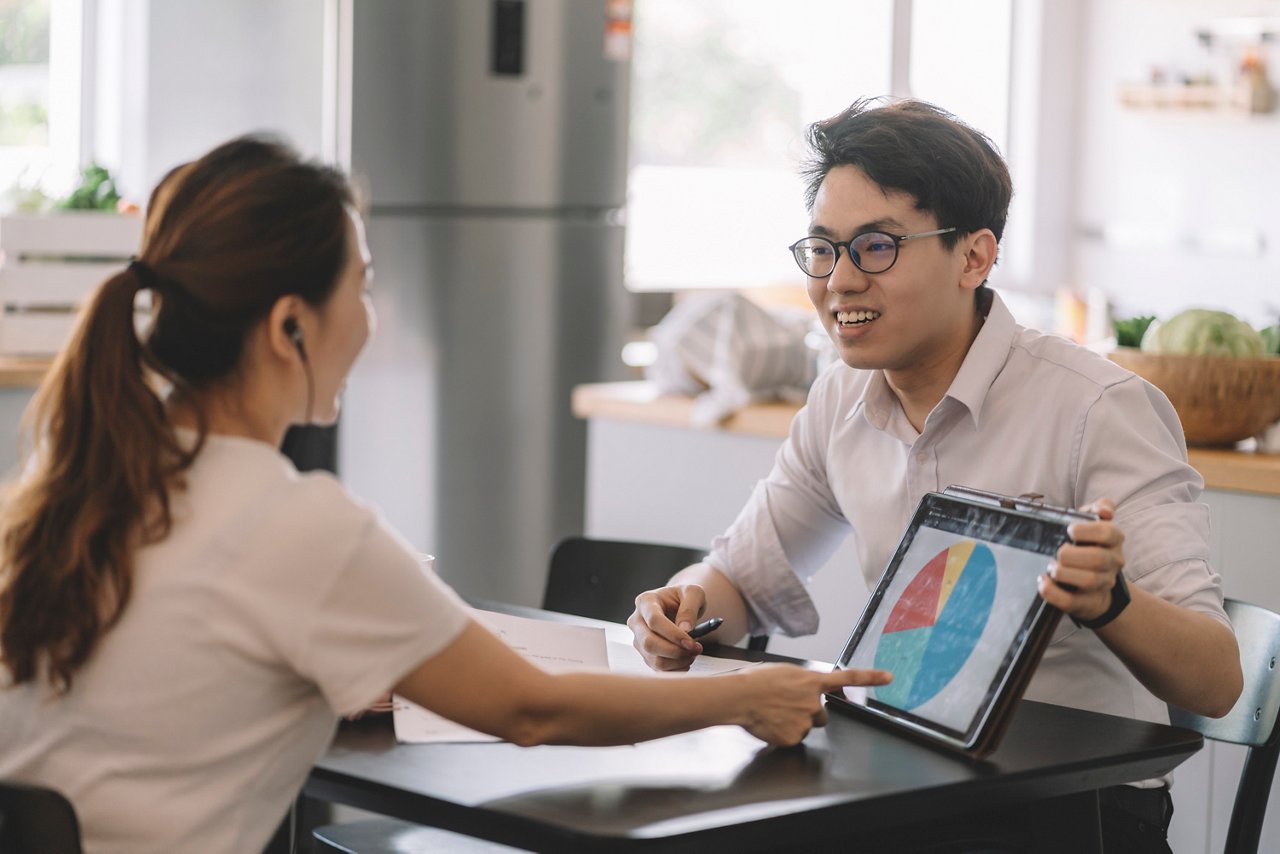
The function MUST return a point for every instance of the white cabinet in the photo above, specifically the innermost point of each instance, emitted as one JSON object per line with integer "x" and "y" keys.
{"x": 1245, "y": 549}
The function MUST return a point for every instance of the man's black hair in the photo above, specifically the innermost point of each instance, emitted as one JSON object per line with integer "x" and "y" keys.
{"x": 952, "y": 170}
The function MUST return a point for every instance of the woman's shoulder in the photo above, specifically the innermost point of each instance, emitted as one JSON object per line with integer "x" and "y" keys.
{"x": 255, "y": 482}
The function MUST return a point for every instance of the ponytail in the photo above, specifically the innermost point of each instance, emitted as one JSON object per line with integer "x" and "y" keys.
{"x": 103, "y": 457}
{"x": 226, "y": 237}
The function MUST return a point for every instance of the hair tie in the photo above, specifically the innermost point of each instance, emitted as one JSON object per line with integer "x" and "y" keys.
{"x": 145, "y": 275}
{"x": 149, "y": 279}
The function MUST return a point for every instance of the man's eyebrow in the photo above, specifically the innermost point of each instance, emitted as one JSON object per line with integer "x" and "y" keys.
{"x": 884, "y": 224}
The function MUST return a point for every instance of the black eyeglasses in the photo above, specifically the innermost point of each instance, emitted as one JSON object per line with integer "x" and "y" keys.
{"x": 871, "y": 251}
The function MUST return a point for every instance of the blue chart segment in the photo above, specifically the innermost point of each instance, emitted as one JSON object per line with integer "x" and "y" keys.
{"x": 936, "y": 623}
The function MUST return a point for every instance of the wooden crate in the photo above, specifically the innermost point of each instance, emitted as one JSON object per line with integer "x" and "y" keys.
{"x": 49, "y": 265}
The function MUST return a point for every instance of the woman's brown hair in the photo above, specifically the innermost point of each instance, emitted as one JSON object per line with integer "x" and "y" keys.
{"x": 226, "y": 236}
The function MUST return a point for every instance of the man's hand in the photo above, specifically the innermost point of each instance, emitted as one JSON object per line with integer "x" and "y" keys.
{"x": 1080, "y": 581}
{"x": 661, "y": 622}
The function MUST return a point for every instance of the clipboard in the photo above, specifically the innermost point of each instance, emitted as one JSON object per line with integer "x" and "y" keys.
{"x": 957, "y": 617}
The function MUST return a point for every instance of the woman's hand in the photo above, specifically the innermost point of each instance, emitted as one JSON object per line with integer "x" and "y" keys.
{"x": 782, "y": 702}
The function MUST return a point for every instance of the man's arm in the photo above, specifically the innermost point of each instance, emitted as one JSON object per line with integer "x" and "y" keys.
{"x": 793, "y": 505}
{"x": 1183, "y": 657}
{"x": 662, "y": 619}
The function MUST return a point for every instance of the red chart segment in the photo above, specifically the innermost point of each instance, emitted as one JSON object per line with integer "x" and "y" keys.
{"x": 917, "y": 608}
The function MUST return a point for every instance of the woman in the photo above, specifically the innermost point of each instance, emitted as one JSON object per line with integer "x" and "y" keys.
{"x": 184, "y": 617}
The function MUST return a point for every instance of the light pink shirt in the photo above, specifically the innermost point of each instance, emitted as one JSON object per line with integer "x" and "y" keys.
{"x": 1027, "y": 412}
{"x": 276, "y": 604}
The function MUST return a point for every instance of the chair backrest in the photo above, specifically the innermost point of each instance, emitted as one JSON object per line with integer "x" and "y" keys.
{"x": 601, "y": 578}
{"x": 1252, "y": 721}
{"x": 35, "y": 819}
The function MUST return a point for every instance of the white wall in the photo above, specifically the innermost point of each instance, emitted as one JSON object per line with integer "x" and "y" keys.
{"x": 1155, "y": 181}
{"x": 176, "y": 77}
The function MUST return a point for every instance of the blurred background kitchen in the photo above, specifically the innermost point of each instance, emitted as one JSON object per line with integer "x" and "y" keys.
{"x": 1141, "y": 135}
{"x": 545, "y": 179}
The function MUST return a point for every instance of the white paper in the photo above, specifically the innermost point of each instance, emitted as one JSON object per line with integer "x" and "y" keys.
{"x": 625, "y": 658}
{"x": 555, "y": 647}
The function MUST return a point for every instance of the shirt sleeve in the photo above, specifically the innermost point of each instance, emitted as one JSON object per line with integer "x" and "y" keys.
{"x": 1132, "y": 451}
{"x": 381, "y": 614}
{"x": 788, "y": 529}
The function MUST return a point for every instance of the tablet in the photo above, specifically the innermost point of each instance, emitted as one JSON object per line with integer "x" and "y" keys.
{"x": 958, "y": 619}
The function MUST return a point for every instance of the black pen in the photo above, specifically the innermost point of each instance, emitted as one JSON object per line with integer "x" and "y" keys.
{"x": 705, "y": 627}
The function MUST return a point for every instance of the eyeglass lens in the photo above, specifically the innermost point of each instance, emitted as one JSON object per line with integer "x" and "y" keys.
{"x": 872, "y": 252}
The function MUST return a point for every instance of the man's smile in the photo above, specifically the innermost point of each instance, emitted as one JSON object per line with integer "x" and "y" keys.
{"x": 855, "y": 318}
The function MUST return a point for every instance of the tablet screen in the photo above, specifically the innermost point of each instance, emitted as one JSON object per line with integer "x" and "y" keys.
{"x": 952, "y": 611}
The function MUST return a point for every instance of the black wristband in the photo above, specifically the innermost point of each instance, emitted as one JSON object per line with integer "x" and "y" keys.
{"x": 1119, "y": 601}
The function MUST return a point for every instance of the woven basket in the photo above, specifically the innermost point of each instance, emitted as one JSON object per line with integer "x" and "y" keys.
{"x": 1220, "y": 399}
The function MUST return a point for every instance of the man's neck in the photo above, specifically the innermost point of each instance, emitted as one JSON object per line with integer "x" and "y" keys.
{"x": 920, "y": 387}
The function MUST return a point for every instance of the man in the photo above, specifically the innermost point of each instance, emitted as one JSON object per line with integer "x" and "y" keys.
{"x": 936, "y": 386}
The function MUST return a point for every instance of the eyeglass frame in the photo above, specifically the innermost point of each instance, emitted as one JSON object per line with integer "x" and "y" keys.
{"x": 898, "y": 240}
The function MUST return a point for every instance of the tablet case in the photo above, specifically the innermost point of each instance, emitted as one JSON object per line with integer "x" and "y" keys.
{"x": 992, "y": 719}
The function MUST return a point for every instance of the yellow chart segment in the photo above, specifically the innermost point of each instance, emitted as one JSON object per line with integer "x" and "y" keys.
{"x": 957, "y": 557}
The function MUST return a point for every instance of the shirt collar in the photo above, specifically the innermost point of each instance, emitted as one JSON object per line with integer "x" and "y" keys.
{"x": 985, "y": 359}
{"x": 875, "y": 402}
{"x": 982, "y": 364}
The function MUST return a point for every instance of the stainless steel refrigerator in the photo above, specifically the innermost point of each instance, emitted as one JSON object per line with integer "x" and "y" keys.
{"x": 491, "y": 135}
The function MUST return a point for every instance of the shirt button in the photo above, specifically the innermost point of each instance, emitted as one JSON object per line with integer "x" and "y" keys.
{"x": 922, "y": 457}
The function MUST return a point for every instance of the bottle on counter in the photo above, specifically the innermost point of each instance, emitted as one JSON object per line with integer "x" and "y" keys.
{"x": 1261, "y": 96}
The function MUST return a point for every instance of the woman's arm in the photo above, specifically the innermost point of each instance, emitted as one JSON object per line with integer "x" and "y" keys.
{"x": 480, "y": 682}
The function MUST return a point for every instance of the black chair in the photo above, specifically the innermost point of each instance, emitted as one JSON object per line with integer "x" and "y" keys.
{"x": 587, "y": 578}
{"x": 601, "y": 578}
{"x": 36, "y": 820}
{"x": 1251, "y": 722}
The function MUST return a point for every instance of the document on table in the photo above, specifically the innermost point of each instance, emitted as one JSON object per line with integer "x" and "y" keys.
{"x": 625, "y": 658}
{"x": 555, "y": 647}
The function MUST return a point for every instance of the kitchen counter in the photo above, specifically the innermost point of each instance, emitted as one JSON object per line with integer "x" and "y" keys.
{"x": 1222, "y": 468}
{"x": 23, "y": 371}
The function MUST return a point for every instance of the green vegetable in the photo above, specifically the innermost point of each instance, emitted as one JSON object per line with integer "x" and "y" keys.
{"x": 96, "y": 191}
{"x": 1271, "y": 339}
{"x": 1129, "y": 331}
{"x": 1203, "y": 332}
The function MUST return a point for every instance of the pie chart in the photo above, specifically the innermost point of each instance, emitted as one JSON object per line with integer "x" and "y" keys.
{"x": 936, "y": 623}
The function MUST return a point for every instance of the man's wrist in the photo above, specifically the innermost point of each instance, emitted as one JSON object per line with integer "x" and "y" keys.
{"x": 1119, "y": 601}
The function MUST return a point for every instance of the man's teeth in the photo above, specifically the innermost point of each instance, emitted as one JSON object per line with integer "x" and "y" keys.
{"x": 854, "y": 317}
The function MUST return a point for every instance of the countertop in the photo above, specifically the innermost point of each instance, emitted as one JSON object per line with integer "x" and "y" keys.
{"x": 23, "y": 371}
{"x": 1222, "y": 468}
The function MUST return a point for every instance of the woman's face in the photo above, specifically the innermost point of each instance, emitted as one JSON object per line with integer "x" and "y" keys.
{"x": 347, "y": 321}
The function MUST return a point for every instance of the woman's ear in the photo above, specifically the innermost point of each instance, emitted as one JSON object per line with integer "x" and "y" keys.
{"x": 979, "y": 257}
{"x": 284, "y": 330}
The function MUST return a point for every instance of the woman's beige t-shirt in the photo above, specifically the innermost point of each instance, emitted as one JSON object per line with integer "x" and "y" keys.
{"x": 276, "y": 604}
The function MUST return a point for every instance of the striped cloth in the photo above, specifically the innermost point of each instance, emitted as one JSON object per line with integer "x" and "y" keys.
{"x": 727, "y": 352}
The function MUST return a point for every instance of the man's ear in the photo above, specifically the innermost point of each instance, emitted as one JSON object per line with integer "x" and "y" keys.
{"x": 979, "y": 257}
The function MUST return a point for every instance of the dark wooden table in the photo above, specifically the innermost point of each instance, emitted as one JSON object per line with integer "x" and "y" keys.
{"x": 720, "y": 789}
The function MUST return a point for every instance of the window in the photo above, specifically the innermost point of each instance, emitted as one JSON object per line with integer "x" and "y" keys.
{"x": 947, "y": 69}
{"x": 40, "y": 66}
{"x": 722, "y": 91}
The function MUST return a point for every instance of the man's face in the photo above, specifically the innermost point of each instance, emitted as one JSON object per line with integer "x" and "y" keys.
{"x": 908, "y": 319}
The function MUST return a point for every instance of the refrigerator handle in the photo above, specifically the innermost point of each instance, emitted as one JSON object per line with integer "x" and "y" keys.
{"x": 507, "y": 47}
